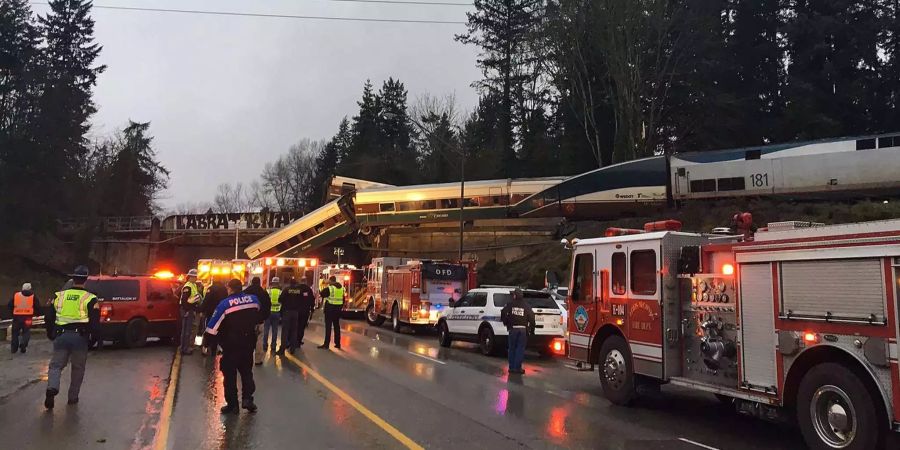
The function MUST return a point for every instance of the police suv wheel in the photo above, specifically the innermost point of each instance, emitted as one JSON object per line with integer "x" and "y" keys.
{"x": 135, "y": 333}
{"x": 835, "y": 410}
{"x": 487, "y": 342}
{"x": 616, "y": 371}
{"x": 395, "y": 318}
{"x": 444, "y": 335}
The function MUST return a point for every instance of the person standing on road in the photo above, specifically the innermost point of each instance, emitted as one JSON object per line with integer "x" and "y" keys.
{"x": 334, "y": 305}
{"x": 214, "y": 295}
{"x": 234, "y": 323}
{"x": 274, "y": 319}
{"x": 71, "y": 318}
{"x": 290, "y": 300}
{"x": 307, "y": 305}
{"x": 24, "y": 306}
{"x": 191, "y": 294}
{"x": 265, "y": 307}
{"x": 518, "y": 318}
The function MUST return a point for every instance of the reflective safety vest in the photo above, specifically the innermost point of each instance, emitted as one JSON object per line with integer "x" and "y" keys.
{"x": 335, "y": 295}
{"x": 72, "y": 306}
{"x": 274, "y": 294}
{"x": 195, "y": 292}
{"x": 23, "y": 305}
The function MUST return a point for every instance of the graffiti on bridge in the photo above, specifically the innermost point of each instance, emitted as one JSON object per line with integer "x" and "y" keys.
{"x": 248, "y": 221}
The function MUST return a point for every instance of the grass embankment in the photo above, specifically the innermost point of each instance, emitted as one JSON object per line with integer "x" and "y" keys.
{"x": 698, "y": 216}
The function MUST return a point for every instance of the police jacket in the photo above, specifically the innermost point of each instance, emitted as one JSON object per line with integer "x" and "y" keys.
{"x": 265, "y": 302}
{"x": 214, "y": 295}
{"x": 297, "y": 297}
{"x": 234, "y": 322}
{"x": 517, "y": 313}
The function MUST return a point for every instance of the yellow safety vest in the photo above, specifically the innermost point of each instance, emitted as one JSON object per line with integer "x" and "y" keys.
{"x": 195, "y": 292}
{"x": 23, "y": 305}
{"x": 274, "y": 294}
{"x": 72, "y": 306}
{"x": 335, "y": 295}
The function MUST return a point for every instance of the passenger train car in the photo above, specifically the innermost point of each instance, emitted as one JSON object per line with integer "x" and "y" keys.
{"x": 331, "y": 221}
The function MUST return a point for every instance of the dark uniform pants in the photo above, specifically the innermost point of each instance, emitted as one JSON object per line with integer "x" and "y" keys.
{"x": 21, "y": 334}
{"x": 333, "y": 320}
{"x": 68, "y": 347}
{"x": 237, "y": 360}
{"x": 302, "y": 322}
{"x": 289, "y": 330}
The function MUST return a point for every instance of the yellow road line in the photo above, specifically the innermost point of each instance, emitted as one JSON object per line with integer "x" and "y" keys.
{"x": 162, "y": 432}
{"x": 400, "y": 437}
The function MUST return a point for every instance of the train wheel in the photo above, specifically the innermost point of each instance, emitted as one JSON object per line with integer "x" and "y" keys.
{"x": 616, "y": 371}
{"x": 835, "y": 410}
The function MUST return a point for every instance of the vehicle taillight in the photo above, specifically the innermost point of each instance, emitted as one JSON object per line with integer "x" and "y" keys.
{"x": 105, "y": 311}
{"x": 561, "y": 322}
{"x": 558, "y": 346}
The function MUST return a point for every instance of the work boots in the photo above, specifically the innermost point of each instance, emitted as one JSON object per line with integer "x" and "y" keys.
{"x": 249, "y": 405}
{"x": 48, "y": 400}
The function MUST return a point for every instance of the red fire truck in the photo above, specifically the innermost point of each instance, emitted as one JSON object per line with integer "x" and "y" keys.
{"x": 800, "y": 319}
{"x": 413, "y": 292}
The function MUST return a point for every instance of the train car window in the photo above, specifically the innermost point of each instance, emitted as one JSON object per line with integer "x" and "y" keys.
{"x": 385, "y": 207}
{"x": 618, "y": 273}
{"x": 708, "y": 185}
{"x": 731, "y": 184}
{"x": 643, "y": 272}
{"x": 888, "y": 141}
{"x": 752, "y": 154}
{"x": 450, "y": 203}
{"x": 583, "y": 290}
{"x": 865, "y": 144}
{"x": 428, "y": 204}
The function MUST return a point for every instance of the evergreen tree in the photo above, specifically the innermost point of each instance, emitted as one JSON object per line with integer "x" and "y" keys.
{"x": 135, "y": 177}
{"x": 361, "y": 157}
{"x": 398, "y": 156}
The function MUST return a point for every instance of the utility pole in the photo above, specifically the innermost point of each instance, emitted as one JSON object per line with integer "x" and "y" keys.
{"x": 237, "y": 226}
{"x": 462, "y": 200}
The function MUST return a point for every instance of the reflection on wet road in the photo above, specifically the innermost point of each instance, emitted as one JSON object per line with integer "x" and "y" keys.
{"x": 384, "y": 390}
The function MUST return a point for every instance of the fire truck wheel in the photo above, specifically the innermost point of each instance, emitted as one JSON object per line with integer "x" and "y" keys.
{"x": 444, "y": 335}
{"x": 836, "y": 410}
{"x": 135, "y": 333}
{"x": 616, "y": 371}
{"x": 487, "y": 342}
{"x": 372, "y": 316}
{"x": 395, "y": 319}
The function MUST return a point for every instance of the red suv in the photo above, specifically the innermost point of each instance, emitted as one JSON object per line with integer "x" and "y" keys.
{"x": 133, "y": 308}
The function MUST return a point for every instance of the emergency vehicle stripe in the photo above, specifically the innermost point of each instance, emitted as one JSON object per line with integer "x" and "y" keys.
{"x": 647, "y": 351}
{"x": 579, "y": 339}
{"x": 213, "y": 327}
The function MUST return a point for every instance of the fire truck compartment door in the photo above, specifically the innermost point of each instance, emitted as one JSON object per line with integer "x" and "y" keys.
{"x": 757, "y": 318}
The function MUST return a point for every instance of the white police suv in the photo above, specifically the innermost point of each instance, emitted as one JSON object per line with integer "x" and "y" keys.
{"x": 476, "y": 318}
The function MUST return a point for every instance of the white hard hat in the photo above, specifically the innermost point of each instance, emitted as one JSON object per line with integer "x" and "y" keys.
{"x": 26, "y": 287}
{"x": 192, "y": 273}
{"x": 276, "y": 280}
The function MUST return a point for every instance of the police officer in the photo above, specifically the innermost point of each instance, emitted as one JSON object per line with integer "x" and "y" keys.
{"x": 274, "y": 319}
{"x": 24, "y": 306}
{"x": 265, "y": 307}
{"x": 518, "y": 318}
{"x": 234, "y": 324}
{"x": 307, "y": 305}
{"x": 334, "y": 304}
{"x": 291, "y": 300}
{"x": 191, "y": 294}
{"x": 216, "y": 292}
{"x": 71, "y": 318}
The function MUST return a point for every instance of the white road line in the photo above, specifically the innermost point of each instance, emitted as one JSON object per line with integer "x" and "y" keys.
{"x": 423, "y": 356}
{"x": 697, "y": 444}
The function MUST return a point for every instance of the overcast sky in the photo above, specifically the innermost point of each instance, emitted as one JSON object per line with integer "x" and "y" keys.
{"x": 225, "y": 95}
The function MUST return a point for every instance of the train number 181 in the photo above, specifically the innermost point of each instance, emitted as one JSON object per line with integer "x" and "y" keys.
{"x": 759, "y": 179}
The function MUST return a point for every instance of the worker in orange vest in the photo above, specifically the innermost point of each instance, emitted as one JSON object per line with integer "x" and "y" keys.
{"x": 24, "y": 306}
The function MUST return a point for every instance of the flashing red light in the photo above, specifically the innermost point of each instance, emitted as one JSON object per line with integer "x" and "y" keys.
{"x": 558, "y": 346}
{"x": 663, "y": 225}
{"x": 727, "y": 269}
{"x": 810, "y": 337}
{"x": 164, "y": 274}
{"x": 346, "y": 277}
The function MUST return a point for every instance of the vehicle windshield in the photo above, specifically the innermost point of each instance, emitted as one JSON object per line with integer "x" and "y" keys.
{"x": 534, "y": 299}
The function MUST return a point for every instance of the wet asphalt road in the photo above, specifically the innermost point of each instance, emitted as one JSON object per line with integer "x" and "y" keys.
{"x": 435, "y": 397}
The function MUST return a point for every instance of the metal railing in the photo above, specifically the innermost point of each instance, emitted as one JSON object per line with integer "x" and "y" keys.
{"x": 108, "y": 224}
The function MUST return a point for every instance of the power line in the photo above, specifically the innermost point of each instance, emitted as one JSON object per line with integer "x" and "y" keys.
{"x": 274, "y": 16}
{"x": 399, "y": 2}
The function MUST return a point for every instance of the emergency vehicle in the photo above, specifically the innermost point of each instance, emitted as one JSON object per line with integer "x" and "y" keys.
{"x": 135, "y": 307}
{"x": 223, "y": 270}
{"x": 800, "y": 319}
{"x": 414, "y": 291}
{"x": 354, "y": 282}
{"x": 304, "y": 270}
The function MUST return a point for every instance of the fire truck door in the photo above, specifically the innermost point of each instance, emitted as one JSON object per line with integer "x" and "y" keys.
{"x": 643, "y": 318}
{"x": 758, "y": 340}
{"x": 583, "y": 308}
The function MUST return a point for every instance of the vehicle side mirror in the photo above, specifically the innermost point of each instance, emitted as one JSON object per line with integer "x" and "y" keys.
{"x": 452, "y": 302}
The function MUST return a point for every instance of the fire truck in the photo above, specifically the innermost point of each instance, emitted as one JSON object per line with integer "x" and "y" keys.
{"x": 212, "y": 270}
{"x": 798, "y": 321}
{"x": 413, "y": 292}
{"x": 305, "y": 270}
{"x": 354, "y": 282}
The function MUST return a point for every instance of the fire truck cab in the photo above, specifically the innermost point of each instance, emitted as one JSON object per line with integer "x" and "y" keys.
{"x": 801, "y": 320}
{"x": 414, "y": 292}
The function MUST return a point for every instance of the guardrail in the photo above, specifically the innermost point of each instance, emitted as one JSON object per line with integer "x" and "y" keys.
{"x": 108, "y": 224}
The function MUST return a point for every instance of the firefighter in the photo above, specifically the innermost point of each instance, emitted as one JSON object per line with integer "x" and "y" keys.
{"x": 234, "y": 324}
{"x": 307, "y": 305}
{"x": 265, "y": 306}
{"x": 518, "y": 318}
{"x": 274, "y": 319}
{"x": 24, "y": 306}
{"x": 72, "y": 317}
{"x": 191, "y": 294}
{"x": 334, "y": 304}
